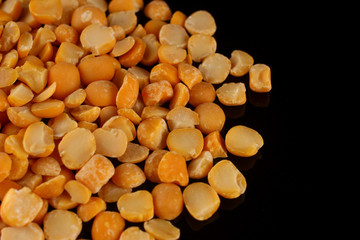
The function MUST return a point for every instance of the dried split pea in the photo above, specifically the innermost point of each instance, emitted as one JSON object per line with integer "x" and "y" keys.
{"x": 215, "y": 68}
{"x": 136, "y": 206}
{"x": 78, "y": 192}
{"x": 227, "y": 180}
{"x": 111, "y": 192}
{"x": 232, "y": 94}
{"x": 15, "y": 210}
{"x": 128, "y": 175}
{"x": 201, "y": 22}
{"x": 200, "y": 46}
{"x": 199, "y": 167}
{"x": 38, "y": 140}
{"x": 201, "y": 200}
{"x": 31, "y": 231}
{"x": 152, "y": 133}
{"x": 88, "y": 69}
{"x": 62, "y": 224}
{"x": 182, "y": 117}
{"x": 101, "y": 93}
{"x": 241, "y": 63}
{"x": 86, "y": 15}
{"x": 89, "y": 210}
{"x": 74, "y": 156}
{"x": 5, "y": 163}
{"x": 98, "y": 39}
{"x": 162, "y": 229}
{"x": 212, "y": 117}
{"x": 168, "y": 200}
{"x": 110, "y": 142}
{"x": 158, "y": 10}
{"x": 243, "y": 141}
{"x": 260, "y": 78}
{"x": 46, "y": 11}
{"x": 107, "y": 225}
{"x": 96, "y": 172}
{"x": 132, "y": 233}
{"x": 172, "y": 169}
{"x": 67, "y": 79}
{"x": 51, "y": 188}
{"x": 215, "y": 143}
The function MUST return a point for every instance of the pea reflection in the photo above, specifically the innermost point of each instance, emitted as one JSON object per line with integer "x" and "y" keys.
{"x": 259, "y": 99}
{"x": 197, "y": 225}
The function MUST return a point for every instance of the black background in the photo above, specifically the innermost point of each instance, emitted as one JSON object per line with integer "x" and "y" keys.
{"x": 267, "y": 208}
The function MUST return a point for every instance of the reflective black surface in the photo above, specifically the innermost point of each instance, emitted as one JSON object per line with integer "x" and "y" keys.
{"x": 266, "y": 208}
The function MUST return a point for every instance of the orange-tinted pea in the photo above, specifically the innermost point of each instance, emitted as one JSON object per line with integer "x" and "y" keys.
{"x": 153, "y": 27}
{"x": 164, "y": 71}
{"x": 201, "y": 200}
{"x": 122, "y": 123}
{"x": 227, "y": 180}
{"x": 161, "y": 229}
{"x": 243, "y": 141}
{"x": 110, "y": 142}
{"x": 168, "y": 200}
{"x": 260, "y": 78}
{"x": 101, "y": 93}
{"x": 33, "y": 75}
{"x": 111, "y": 192}
{"x": 188, "y": 142}
{"x": 172, "y": 169}
{"x": 46, "y": 11}
{"x": 152, "y": 133}
{"x": 66, "y": 33}
{"x": 134, "y": 55}
{"x": 67, "y": 79}
{"x": 95, "y": 173}
{"x": 98, "y": 39}
{"x": 51, "y": 188}
{"x": 189, "y": 74}
{"x": 200, "y": 166}
{"x": 107, "y": 225}
{"x": 158, "y": 10}
{"x": 74, "y": 156}
{"x": 38, "y": 140}
{"x": 202, "y": 92}
{"x": 86, "y": 113}
{"x": 5, "y": 163}
{"x": 215, "y": 143}
{"x": 179, "y": 18}
{"x": 157, "y": 93}
{"x": 212, "y": 117}
{"x": 86, "y": 15}
{"x": 88, "y": 69}
{"x": 15, "y": 210}
{"x": 49, "y": 108}
{"x": 31, "y": 231}
{"x": 152, "y": 164}
{"x": 127, "y": 95}
{"x": 62, "y": 224}
{"x": 79, "y": 192}
{"x": 46, "y": 166}
{"x": 89, "y": 210}
{"x": 128, "y": 175}
{"x": 136, "y": 206}
{"x": 75, "y": 98}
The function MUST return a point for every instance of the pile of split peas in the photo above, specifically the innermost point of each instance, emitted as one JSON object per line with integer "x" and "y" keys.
{"x": 94, "y": 103}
